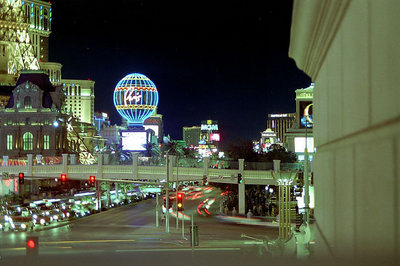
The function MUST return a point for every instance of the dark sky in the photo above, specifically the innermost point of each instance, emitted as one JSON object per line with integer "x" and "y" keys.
{"x": 227, "y": 62}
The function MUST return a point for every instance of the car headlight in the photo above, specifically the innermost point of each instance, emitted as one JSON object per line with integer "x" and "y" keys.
{"x": 23, "y": 226}
{"x": 35, "y": 216}
{"x": 55, "y": 217}
{"x": 12, "y": 225}
{"x": 6, "y": 218}
{"x": 68, "y": 214}
{"x": 47, "y": 213}
{"x": 42, "y": 221}
{"x": 63, "y": 215}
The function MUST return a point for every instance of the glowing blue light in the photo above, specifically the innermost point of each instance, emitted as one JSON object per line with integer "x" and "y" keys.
{"x": 55, "y": 124}
{"x": 135, "y": 98}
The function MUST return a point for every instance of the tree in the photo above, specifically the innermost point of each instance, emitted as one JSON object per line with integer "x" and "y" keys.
{"x": 242, "y": 149}
{"x": 279, "y": 153}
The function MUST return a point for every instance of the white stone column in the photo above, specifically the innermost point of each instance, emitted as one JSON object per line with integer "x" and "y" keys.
{"x": 135, "y": 170}
{"x": 106, "y": 157}
{"x": 72, "y": 159}
{"x": 5, "y": 160}
{"x": 206, "y": 164}
{"x": 99, "y": 175}
{"x": 65, "y": 163}
{"x": 277, "y": 165}
{"x": 242, "y": 189}
{"x": 32, "y": 183}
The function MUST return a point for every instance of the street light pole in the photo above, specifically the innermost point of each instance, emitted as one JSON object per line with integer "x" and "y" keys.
{"x": 167, "y": 198}
{"x": 306, "y": 184}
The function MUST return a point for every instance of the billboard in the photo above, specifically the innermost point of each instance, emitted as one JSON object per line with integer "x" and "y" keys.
{"x": 306, "y": 114}
{"x": 215, "y": 137}
{"x": 300, "y": 144}
{"x": 133, "y": 140}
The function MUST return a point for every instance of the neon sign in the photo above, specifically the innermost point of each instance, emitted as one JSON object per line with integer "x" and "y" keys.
{"x": 209, "y": 127}
{"x": 135, "y": 98}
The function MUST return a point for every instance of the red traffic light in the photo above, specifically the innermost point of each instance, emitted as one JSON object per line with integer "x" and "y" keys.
{"x": 180, "y": 203}
{"x": 92, "y": 178}
{"x": 63, "y": 177}
{"x": 21, "y": 175}
{"x": 32, "y": 246}
{"x": 31, "y": 243}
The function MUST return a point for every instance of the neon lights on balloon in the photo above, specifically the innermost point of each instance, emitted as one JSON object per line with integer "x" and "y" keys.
{"x": 135, "y": 98}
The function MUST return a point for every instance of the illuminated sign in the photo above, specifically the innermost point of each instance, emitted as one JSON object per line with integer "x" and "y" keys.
{"x": 135, "y": 98}
{"x": 209, "y": 127}
{"x": 278, "y": 115}
{"x": 133, "y": 141}
{"x": 306, "y": 114}
{"x": 131, "y": 95}
{"x": 215, "y": 137}
{"x": 300, "y": 144}
{"x": 268, "y": 134}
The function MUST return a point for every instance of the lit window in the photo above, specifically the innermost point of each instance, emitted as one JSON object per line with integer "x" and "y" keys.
{"x": 28, "y": 141}
{"x": 9, "y": 142}
{"x": 46, "y": 142}
{"x": 27, "y": 102}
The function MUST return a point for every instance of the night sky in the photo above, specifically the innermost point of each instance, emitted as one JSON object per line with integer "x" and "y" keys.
{"x": 226, "y": 62}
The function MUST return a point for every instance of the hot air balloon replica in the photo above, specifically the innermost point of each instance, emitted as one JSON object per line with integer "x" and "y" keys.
{"x": 135, "y": 98}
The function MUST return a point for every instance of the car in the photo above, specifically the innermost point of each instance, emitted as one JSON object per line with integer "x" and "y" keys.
{"x": 5, "y": 224}
{"x": 57, "y": 215}
{"x": 21, "y": 221}
{"x": 41, "y": 218}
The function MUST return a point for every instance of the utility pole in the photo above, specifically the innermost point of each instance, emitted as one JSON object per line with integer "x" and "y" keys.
{"x": 167, "y": 198}
{"x": 306, "y": 184}
{"x": 157, "y": 208}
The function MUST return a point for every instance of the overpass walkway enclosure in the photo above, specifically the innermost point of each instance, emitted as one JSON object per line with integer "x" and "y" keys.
{"x": 150, "y": 173}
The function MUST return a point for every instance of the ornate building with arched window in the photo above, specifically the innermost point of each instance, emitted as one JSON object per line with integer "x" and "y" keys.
{"x": 31, "y": 122}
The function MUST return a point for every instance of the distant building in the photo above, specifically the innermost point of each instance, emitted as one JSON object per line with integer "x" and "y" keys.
{"x": 279, "y": 123}
{"x": 268, "y": 137}
{"x": 303, "y": 124}
{"x": 112, "y": 135}
{"x": 191, "y": 136}
{"x": 53, "y": 71}
{"x": 155, "y": 123}
{"x": 79, "y": 98}
{"x": 100, "y": 120}
{"x": 31, "y": 122}
{"x": 39, "y": 16}
{"x": 209, "y": 137}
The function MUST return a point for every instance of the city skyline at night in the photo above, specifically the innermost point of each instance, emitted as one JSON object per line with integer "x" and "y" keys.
{"x": 230, "y": 65}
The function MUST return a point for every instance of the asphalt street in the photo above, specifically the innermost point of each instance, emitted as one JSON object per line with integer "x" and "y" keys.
{"x": 129, "y": 233}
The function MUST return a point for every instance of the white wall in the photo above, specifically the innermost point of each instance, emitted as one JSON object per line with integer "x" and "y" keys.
{"x": 357, "y": 125}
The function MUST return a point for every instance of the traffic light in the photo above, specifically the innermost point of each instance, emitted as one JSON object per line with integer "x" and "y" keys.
{"x": 180, "y": 202}
{"x": 92, "y": 179}
{"x": 32, "y": 246}
{"x": 21, "y": 179}
{"x": 63, "y": 177}
{"x": 240, "y": 180}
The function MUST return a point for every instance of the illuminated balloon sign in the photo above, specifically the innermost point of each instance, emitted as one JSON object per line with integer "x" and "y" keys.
{"x": 135, "y": 98}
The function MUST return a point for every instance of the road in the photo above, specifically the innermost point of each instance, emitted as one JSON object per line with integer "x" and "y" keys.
{"x": 121, "y": 234}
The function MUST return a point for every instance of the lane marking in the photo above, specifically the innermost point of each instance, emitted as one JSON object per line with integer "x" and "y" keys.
{"x": 176, "y": 249}
{"x": 87, "y": 241}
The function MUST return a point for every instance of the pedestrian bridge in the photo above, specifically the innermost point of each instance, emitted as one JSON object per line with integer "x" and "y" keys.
{"x": 138, "y": 172}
